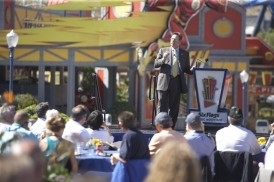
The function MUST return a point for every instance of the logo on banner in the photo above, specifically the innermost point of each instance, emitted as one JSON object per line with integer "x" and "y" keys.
{"x": 209, "y": 85}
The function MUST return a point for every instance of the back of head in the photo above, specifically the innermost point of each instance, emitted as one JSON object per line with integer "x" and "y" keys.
{"x": 21, "y": 117}
{"x": 16, "y": 169}
{"x": 126, "y": 119}
{"x": 31, "y": 149}
{"x": 7, "y": 110}
{"x": 41, "y": 109}
{"x": 235, "y": 116}
{"x": 194, "y": 121}
{"x": 175, "y": 163}
{"x": 51, "y": 113}
{"x": 55, "y": 124}
{"x": 77, "y": 113}
{"x": 95, "y": 120}
{"x": 163, "y": 120}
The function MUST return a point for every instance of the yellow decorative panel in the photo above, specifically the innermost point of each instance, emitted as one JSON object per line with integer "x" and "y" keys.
{"x": 49, "y": 57}
{"x": 93, "y": 53}
{"x": 5, "y": 54}
{"x": 48, "y": 16}
{"x": 31, "y": 14}
{"x": 242, "y": 66}
{"x": 228, "y": 65}
{"x": 111, "y": 53}
{"x": 82, "y": 32}
{"x": 20, "y": 52}
{"x": 60, "y": 52}
{"x": 121, "y": 58}
{"x": 21, "y": 14}
{"x": 78, "y": 57}
{"x": 31, "y": 57}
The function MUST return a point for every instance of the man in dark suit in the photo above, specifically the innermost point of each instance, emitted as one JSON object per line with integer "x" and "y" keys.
{"x": 173, "y": 63}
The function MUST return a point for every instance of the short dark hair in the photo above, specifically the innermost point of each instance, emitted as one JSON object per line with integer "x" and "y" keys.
{"x": 236, "y": 122}
{"x": 95, "y": 120}
{"x": 56, "y": 123}
{"x": 77, "y": 113}
{"x": 41, "y": 109}
{"x": 166, "y": 125}
{"x": 127, "y": 119}
{"x": 178, "y": 34}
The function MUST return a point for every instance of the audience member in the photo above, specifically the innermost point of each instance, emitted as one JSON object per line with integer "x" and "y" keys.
{"x": 19, "y": 127}
{"x": 49, "y": 114}
{"x": 134, "y": 144}
{"x": 271, "y": 137}
{"x": 74, "y": 130}
{"x": 16, "y": 169}
{"x": 7, "y": 113}
{"x": 97, "y": 128}
{"x": 269, "y": 158}
{"x": 236, "y": 138}
{"x": 39, "y": 126}
{"x": 31, "y": 149}
{"x": 201, "y": 144}
{"x": 54, "y": 146}
{"x": 175, "y": 163}
{"x": 163, "y": 123}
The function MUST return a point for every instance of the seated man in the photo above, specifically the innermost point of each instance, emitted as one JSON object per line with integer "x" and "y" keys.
{"x": 236, "y": 138}
{"x": 21, "y": 120}
{"x": 7, "y": 113}
{"x": 201, "y": 144}
{"x": 40, "y": 125}
{"x": 134, "y": 144}
{"x": 163, "y": 123}
{"x": 74, "y": 131}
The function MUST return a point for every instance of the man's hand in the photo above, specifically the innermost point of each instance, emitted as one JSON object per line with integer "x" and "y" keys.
{"x": 116, "y": 158}
{"x": 166, "y": 54}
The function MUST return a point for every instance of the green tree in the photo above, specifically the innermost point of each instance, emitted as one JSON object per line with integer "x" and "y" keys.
{"x": 267, "y": 36}
{"x": 122, "y": 90}
{"x": 22, "y": 101}
{"x": 86, "y": 82}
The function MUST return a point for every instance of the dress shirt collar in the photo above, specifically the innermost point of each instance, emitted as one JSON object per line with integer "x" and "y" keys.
{"x": 74, "y": 122}
{"x": 42, "y": 119}
{"x": 6, "y": 123}
{"x": 235, "y": 126}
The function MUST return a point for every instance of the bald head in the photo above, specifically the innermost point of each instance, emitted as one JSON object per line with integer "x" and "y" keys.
{"x": 31, "y": 149}
{"x": 21, "y": 117}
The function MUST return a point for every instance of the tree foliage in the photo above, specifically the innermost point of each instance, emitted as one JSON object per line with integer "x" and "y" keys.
{"x": 22, "y": 101}
{"x": 86, "y": 82}
{"x": 267, "y": 36}
{"x": 119, "y": 107}
{"x": 122, "y": 90}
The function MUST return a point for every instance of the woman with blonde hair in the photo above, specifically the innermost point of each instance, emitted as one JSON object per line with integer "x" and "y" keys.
{"x": 55, "y": 147}
{"x": 174, "y": 163}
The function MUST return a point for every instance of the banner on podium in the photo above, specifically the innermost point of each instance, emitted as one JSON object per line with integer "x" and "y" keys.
{"x": 212, "y": 86}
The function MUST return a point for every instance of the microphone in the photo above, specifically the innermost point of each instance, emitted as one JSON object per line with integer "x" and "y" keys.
{"x": 200, "y": 61}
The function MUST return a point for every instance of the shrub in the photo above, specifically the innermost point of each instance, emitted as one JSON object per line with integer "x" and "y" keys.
{"x": 119, "y": 107}
{"x": 64, "y": 116}
{"x": 21, "y": 101}
{"x": 31, "y": 111}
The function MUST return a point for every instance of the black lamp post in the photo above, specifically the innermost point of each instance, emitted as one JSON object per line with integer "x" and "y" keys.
{"x": 244, "y": 79}
{"x": 12, "y": 40}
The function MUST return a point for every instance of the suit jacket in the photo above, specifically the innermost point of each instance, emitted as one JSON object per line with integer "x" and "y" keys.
{"x": 233, "y": 167}
{"x": 164, "y": 74}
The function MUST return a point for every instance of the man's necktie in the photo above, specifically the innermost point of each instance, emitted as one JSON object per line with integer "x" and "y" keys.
{"x": 175, "y": 64}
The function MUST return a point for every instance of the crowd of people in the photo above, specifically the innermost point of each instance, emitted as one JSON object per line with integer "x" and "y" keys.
{"x": 27, "y": 147}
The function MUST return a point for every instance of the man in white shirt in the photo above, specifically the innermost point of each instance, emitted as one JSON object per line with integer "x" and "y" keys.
{"x": 74, "y": 131}
{"x": 40, "y": 125}
{"x": 7, "y": 113}
{"x": 236, "y": 138}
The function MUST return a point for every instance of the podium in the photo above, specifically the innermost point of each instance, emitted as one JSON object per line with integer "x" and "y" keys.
{"x": 212, "y": 86}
